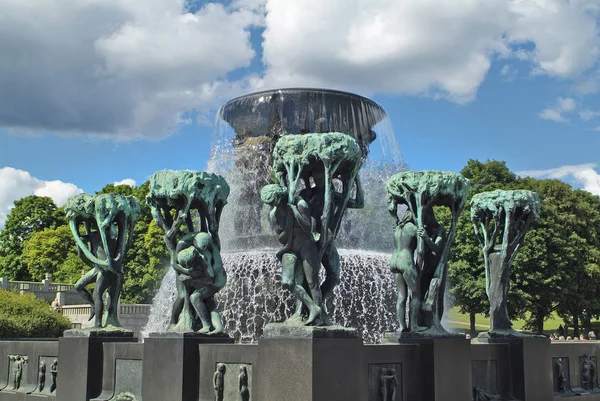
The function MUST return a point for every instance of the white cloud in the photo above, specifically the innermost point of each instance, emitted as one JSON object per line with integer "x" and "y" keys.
{"x": 588, "y": 114}
{"x": 509, "y": 72}
{"x": 127, "y": 181}
{"x": 583, "y": 174}
{"x": 143, "y": 68}
{"x": 16, "y": 184}
{"x": 561, "y": 106}
{"x": 440, "y": 48}
{"x": 124, "y": 68}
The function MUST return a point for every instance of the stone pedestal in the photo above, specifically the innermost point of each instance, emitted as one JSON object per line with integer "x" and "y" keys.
{"x": 444, "y": 368}
{"x": 80, "y": 362}
{"x": 309, "y": 363}
{"x": 530, "y": 366}
{"x": 171, "y": 365}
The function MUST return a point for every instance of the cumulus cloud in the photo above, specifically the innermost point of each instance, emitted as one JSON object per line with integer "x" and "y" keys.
{"x": 127, "y": 181}
{"x": 142, "y": 69}
{"x": 558, "y": 109}
{"x": 583, "y": 174}
{"x": 436, "y": 47}
{"x": 16, "y": 184}
{"x": 126, "y": 68}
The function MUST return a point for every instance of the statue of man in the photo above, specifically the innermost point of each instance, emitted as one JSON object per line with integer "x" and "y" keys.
{"x": 41, "y": 376}
{"x": 201, "y": 270}
{"x": 434, "y": 236}
{"x": 315, "y": 198}
{"x": 104, "y": 278}
{"x": 17, "y": 372}
{"x": 219, "y": 382}
{"x": 299, "y": 255}
{"x": 404, "y": 269}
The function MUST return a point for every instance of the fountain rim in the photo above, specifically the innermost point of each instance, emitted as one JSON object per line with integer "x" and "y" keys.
{"x": 323, "y": 90}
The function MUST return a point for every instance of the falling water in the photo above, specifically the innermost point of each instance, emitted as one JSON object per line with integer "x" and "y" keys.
{"x": 254, "y": 296}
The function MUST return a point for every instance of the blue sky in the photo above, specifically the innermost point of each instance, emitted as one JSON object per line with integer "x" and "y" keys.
{"x": 473, "y": 81}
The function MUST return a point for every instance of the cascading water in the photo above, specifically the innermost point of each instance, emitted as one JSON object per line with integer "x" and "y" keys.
{"x": 243, "y": 135}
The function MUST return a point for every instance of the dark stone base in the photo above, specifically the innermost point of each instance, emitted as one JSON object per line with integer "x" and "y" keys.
{"x": 317, "y": 369}
{"x": 285, "y": 330}
{"x": 109, "y": 331}
{"x": 171, "y": 366}
{"x": 80, "y": 364}
{"x": 530, "y": 366}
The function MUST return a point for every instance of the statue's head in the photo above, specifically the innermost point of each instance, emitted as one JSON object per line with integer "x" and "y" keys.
{"x": 273, "y": 194}
{"x": 221, "y": 367}
{"x": 188, "y": 257}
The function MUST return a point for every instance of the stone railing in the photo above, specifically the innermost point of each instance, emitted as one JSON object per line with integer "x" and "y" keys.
{"x": 45, "y": 289}
{"x": 131, "y": 316}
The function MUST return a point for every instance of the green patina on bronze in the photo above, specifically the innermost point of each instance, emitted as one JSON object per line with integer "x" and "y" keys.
{"x": 317, "y": 160}
{"x": 172, "y": 198}
{"x": 340, "y": 157}
{"x": 423, "y": 273}
{"x": 505, "y": 214}
{"x": 108, "y": 221}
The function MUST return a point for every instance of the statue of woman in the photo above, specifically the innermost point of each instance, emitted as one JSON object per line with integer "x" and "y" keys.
{"x": 405, "y": 271}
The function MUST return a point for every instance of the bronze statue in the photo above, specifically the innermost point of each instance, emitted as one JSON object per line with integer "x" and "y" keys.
{"x": 18, "y": 362}
{"x": 219, "y": 381}
{"x": 299, "y": 255}
{"x": 41, "y": 376}
{"x": 588, "y": 373}
{"x": 405, "y": 270}
{"x": 561, "y": 377}
{"x": 388, "y": 384}
{"x": 53, "y": 373}
{"x": 501, "y": 220}
{"x": 107, "y": 221}
{"x": 201, "y": 270}
{"x": 424, "y": 281}
{"x": 243, "y": 384}
{"x": 174, "y": 198}
{"x": 314, "y": 176}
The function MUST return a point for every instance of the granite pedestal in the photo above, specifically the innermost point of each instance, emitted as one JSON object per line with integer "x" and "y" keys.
{"x": 304, "y": 363}
{"x": 530, "y": 366}
{"x": 171, "y": 365}
{"x": 81, "y": 356}
{"x": 444, "y": 368}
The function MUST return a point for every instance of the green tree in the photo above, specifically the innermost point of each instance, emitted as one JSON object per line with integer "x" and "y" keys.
{"x": 48, "y": 251}
{"x": 29, "y": 215}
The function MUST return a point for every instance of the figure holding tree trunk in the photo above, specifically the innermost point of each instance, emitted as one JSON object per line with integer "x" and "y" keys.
{"x": 423, "y": 245}
{"x": 308, "y": 219}
{"x": 187, "y": 206}
{"x": 102, "y": 226}
{"x": 501, "y": 220}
